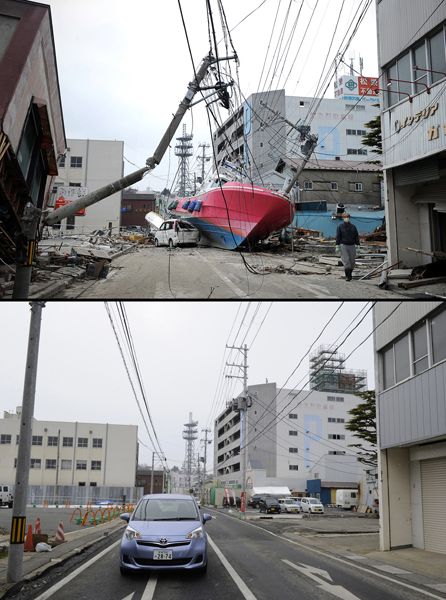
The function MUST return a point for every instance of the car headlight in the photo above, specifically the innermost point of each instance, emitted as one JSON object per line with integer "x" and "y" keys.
{"x": 131, "y": 534}
{"x": 195, "y": 534}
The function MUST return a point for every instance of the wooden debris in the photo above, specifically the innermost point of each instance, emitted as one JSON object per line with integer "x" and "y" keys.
{"x": 418, "y": 282}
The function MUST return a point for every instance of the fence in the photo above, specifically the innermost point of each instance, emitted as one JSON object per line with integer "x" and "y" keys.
{"x": 72, "y": 495}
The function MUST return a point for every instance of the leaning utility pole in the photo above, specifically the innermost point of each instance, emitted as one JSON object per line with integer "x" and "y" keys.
{"x": 21, "y": 287}
{"x": 18, "y": 524}
{"x": 242, "y": 404}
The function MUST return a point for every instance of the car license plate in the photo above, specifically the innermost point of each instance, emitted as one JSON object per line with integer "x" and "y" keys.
{"x": 160, "y": 555}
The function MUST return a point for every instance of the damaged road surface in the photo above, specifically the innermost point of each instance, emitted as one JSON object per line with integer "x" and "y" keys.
{"x": 203, "y": 273}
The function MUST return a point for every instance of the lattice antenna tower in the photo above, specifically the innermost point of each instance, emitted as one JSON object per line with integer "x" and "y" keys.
{"x": 184, "y": 150}
{"x": 190, "y": 434}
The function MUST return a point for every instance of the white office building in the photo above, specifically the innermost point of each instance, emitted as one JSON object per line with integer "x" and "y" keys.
{"x": 293, "y": 436}
{"x": 71, "y": 454}
{"x": 88, "y": 166}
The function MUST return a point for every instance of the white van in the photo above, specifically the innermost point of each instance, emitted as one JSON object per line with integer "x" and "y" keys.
{"x": 311, "y": 505}
{"x": 175, "y": 232}
{"x": 347, "y": 499}
{"x": 6, "y": 496}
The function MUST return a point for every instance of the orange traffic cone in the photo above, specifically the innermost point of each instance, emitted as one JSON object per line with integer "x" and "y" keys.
{"x": 60, "y": 535}
{"x": 37, "y": 529}
{"x": 29, "y": 546}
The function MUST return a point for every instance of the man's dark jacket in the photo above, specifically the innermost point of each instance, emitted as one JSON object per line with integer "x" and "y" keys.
{"x": 347, "y": 234}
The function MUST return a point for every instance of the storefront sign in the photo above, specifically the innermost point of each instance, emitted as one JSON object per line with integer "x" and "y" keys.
{"x": 414, "y": 119}
{"x": 67, "y": 194}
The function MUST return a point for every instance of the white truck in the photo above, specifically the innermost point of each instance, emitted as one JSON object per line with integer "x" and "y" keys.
{"x": 6, "y": 496}
{"x": 347, "y": 499}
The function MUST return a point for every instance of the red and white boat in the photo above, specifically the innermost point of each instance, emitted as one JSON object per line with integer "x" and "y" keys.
{"x": 230, "y": 214}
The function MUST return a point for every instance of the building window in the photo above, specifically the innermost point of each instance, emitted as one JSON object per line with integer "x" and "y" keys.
{"x": 53, "y": 440}
{"x": 336, "y": 436}
{"x": 66, "y": 464}
{"x": 96, "y": 465}
{"x": 292, "y": 432}
{"x": 61, "y": 162}
{"x": 437, "y": 56}
{"x": 81, "y": 484}
{"x": 419, "y": 346}
{"x": 438, "y": 327}
{"x": 67, "y": 442}
{"x": 335, "y": 398}
{"x": 37, "y": 440}
{"x": 334, "y": 186}
{"x": 335, "y": 420}
{"x": 50, "y": 463}
{"x": 308, "y": 185}
{"x": 76, "y": 162}
{"x": 15, "y": 463}
{"x": 293, "y": 467}
{"x": 81, "y": 465}
{"x": 402, "y": 362}
{"x": 82, "y": 442}
{"x": 336, "y": 452}
{"x": 93, "y": 484}
{"x": 17, "y": 439}
{"x": 36, "y": 463}
{"x": 292, "y": 416}
{"x": 358, "y": 186}
{"x": 351, "y": 132}
{"x": 97, "y": 442}
{"x": 293, "y": 450}
{"x": 5, "y": 438}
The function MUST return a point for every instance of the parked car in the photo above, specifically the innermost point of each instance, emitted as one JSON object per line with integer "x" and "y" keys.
{"x": 6, "y": 496}
{"x": 176, "y": 233}
{"x": 165, "y": 532}
{"x": 289, "y": 505}
{"x": 253, "y": 502}
{"x": 269, "y": 505}
{"x": 311, "y": 505}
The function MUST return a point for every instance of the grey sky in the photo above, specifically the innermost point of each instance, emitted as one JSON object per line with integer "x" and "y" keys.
{"x": 180, "y": 347}
{"x": 123, "y": 71}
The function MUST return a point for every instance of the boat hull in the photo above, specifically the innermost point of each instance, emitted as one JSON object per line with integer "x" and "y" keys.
{"x": 237, "y": 214}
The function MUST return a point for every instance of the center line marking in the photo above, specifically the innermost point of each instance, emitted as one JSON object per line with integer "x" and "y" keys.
{"x": 232, "y": 572}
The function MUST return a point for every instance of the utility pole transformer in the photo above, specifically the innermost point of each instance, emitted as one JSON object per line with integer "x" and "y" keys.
{"x": 18, "y": 524}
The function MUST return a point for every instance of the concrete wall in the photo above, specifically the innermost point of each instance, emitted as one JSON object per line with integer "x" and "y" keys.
{"x": 102, "y": 164}
{"x": 371, "y": 182}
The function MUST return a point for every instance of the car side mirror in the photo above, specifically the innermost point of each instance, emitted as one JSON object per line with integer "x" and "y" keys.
{"x": 125, "y": 517}
{"x": 206, "y": 517}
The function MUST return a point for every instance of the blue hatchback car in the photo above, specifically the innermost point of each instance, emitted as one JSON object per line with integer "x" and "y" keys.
{"x": 165, "y": 532}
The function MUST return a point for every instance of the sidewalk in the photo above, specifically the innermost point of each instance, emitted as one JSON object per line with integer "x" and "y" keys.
{"x": 36, "y": 563}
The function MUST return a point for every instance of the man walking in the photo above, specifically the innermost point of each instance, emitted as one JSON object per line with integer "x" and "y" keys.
{"x": 347, "y": 238}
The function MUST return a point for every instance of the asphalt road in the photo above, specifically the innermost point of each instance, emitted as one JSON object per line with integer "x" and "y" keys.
{"x": 245, "y": 561}
{"x": 210, "y": 273}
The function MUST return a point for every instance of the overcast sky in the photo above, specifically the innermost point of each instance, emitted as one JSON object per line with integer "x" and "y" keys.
{"x": 181, "y": 351}
{"x": 124, "y": 68}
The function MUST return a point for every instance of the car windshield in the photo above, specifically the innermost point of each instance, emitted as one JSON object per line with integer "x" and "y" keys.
{"x": 157, "y": 509}
{"x": 314, "y": 501}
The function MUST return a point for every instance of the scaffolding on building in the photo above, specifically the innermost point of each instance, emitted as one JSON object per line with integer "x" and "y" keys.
{"x": 329, "y": 374}
{"x": 190, "y": 434}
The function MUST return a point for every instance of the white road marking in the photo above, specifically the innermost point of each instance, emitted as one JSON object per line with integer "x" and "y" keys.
{"x": 317, "y": 572}
{"x": 232, "y": 572}
{"x": 55, "y": 588}
{"x": 150, "y": 589}
{"x": 335, "y": 590}
{"x": 129, "y": 597}
{"x": 340, "y": 560}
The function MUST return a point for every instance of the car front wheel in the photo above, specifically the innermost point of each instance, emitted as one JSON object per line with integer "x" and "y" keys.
{"x": 171, "y": 244}
{"x": 156, "y": 242}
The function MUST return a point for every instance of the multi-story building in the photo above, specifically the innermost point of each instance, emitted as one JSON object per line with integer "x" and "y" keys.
{"x": 144, "y": 480}
{"x": 71, "y": 454}
{"x": 258, "y": 134}
{"x": 32, "y": 133}
{"x": 412, "y": 59}
{"x": 293, "y": 436}
{"x": 88, "y": 166}
{"x": 410, "y": 345}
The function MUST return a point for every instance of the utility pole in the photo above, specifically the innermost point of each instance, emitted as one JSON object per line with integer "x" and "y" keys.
{"x": 18, "y": 524}
{"x": 151, "y": 475}
{"x": 203, "y": 159}
{"x": 242, "y": 404}
{"x": 206, "y": 441}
